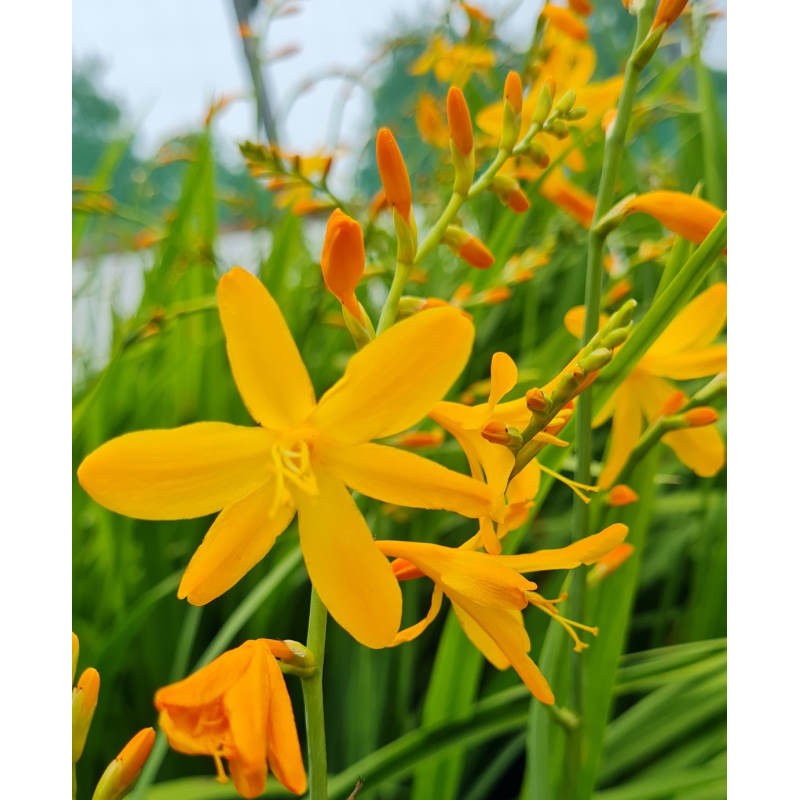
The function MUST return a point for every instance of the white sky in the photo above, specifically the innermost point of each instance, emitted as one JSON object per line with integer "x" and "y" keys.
{"x": 166, "y": 59}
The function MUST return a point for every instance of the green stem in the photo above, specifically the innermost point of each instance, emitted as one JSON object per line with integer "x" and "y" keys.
{"x": 437, "y": 231}
{"x": 313, "y": 701}
{"x": 389, "y": 312}
{"x": 612, "y": 158}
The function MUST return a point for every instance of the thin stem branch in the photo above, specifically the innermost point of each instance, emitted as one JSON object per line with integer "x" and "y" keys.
{"x": 313, "y": 701}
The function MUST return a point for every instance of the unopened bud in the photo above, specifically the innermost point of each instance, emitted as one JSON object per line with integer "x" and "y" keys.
{"x": 497, "y": 432}
{"x": 667, "y": 12}
{"x": 557, "y": 128}
{"x": 360, "y": 327}
{"x": 596, "y": 359}
{"x": 461, "y": 143}
{"x": 543, "y": 105}
{"x": 75, "y": 651}
{"x": 576, "y": 113}
{"x": 393, "y": 172}
{"x": 700, "y": 417}
{"x": 565, "y": 103}
{"x": 468, "y": 247}
{"x": 84, "y": 702}
{"x": 512, "y": 109}
{"x": 674, "y": 403}
{"x": 512, "y": 91}
{"x": 621, "y": 495}
{"x": 618, "y": 336}
{"x": 609, "y": 562}
{"x": 343, "y": 259}
{"x": 537, "y": 400}
{"x": 510, "y": 193}
{"x": 122, "y": 772}
{"x": 538, "y": 154}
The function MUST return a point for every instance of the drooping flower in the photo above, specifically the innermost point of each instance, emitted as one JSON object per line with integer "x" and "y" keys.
{"x": 237, "y": 708}
{"x": 488, "y": 593}
{"x": 492, "y": 462}
{"x": 301, "y": 457}
{"x": 685, "y": 350}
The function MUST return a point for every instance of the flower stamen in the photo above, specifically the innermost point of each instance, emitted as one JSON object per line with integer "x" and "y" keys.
{"x": 548, "y": 606}
{"x": 574, "y": 485}
{"x": 221, "y": 775}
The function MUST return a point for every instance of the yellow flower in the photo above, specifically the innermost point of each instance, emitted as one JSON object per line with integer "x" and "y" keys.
{"x": 684, "y": 351}
{"x": 491, "y": 462}
{"x": 301, "y": 457}
{"x": 488, "y": 593}
{"x": 237, "y": 708}
{"x": 431, "y": 123}
{"x": 453, "y": 63}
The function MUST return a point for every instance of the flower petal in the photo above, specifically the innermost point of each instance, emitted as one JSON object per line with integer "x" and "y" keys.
{"x": 239, "y": 538}
{"x": 351, "y": 576}
{"x": 478, "y": 636}
{"x": 177, "y": 473}
{"x": 625, "y": 429}
{"x": 504, "y": 378}
{"x": 700, "y": 449}
{"x": 264, "y": 359}
{"x": 285, "y": 758}
{"x": 247, "y": 709}
{"x": 585, "y": 551}
{"x": 406, "y": 479}
{"x": 397, "y": 378}
{"x": 696, "y": 325}
{"x": 412, "y": 631}
{"x": 683, "y": 366}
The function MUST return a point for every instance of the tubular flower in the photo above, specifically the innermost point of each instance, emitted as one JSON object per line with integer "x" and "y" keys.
{"x": 576, "y": 202}
{"x": 300, "y": 457}
{"x": 684, "y": 351}
{"x": 565, "y": 20}
{"x": 343, "y": 260}
{"x": 684, "y": 214}
{"x": 237, "y": 708}
{"x": 488, "y": 593}
{"x": 493, "y": 463}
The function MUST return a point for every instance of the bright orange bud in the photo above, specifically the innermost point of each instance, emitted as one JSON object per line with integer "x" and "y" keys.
{"x": 536, "y": 400}
{"x": 700, "y": 417}
{"x": 75, "y": 651}
{"x": 609, "y": 562}
{"x": 566, "y": 21}
{"x": 393, "y": 172}
{"x": 688, "y": 216}
{"x": 673, "y": 404}
{"x": 510, "y": 193}
{"x": 495, "y": 295}
{"x": 459, "y": 121}
{"x": 618, "y": 291}
{"x": 84, "y": 702}
{"x": 496, "y": 432}
{"x": 343, "y": 259}
{"x": 582, "y": 7}
{"x": 475, "y": 253}
{"x": 576, "y": 202}
{"x": 667, "y": 12}
{"x": 621, "y": 495}
{"x": 512, "y": 91}
{"x": 123, "y": 771}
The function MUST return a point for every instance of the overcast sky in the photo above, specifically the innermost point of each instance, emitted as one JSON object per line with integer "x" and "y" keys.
{"x": 166, "y": 59}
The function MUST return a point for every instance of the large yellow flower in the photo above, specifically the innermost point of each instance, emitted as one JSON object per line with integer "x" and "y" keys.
{"x": 300, "y": 457}
{"x": 685, "y": 350}
{"x": 488, "y": 593}
{"x": 237, "y": 708}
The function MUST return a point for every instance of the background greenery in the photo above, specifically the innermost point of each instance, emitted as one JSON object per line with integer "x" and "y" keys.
{"x": 432, "y": 718}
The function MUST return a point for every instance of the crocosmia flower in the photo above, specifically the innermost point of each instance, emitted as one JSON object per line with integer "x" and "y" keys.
{"x": 301, "y": 457}
{"x": 237, "y": 708}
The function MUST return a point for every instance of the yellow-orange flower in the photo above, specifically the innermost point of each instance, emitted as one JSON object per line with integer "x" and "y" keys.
{"x": 343, "y": 259}
{"x": 431, "y": 123}
{"x": 301, "y": 457}
{"x": 565, "y": 20}
{"x": 453, "y": 63}
{"x": 488, "y": 593}
{"x": 237, "y": 708}
{"x": 685, "y": 350}
{"x": 689, "y": 216}
{"x": 573, "y": 200}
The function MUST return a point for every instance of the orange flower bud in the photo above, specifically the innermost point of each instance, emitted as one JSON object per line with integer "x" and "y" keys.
{"x": 667, "y": 12}
{"x": 75, "y": 651}
{"x": 688, "y": 216}
{"x": 582, "y": 7}
{"x": 84, "y": 702}
{"x": 609, "y": 562}
{"x": 459, "y": 121}
{"x": 510, "y": 193}
{"x": 343, "y": 260}
{"x": 495, "y": 295}
{"x": 566, "y": 21}
{"x": 536, "y": 400}
{"x": 700, "y": 417}
{"x": 123, "y": 771}
{"x": 576, "y": 202}
{"x": 512, "y": 91}
{"x": 674, "y": 403}
{"x": 393, "y": 172}
{"x": 496, "y": 432}
{"x": 468, "y": 247}
{"x": 618, "y": 291}
{"x": 621, "y": 495}
{"x": 462, "y": 293}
